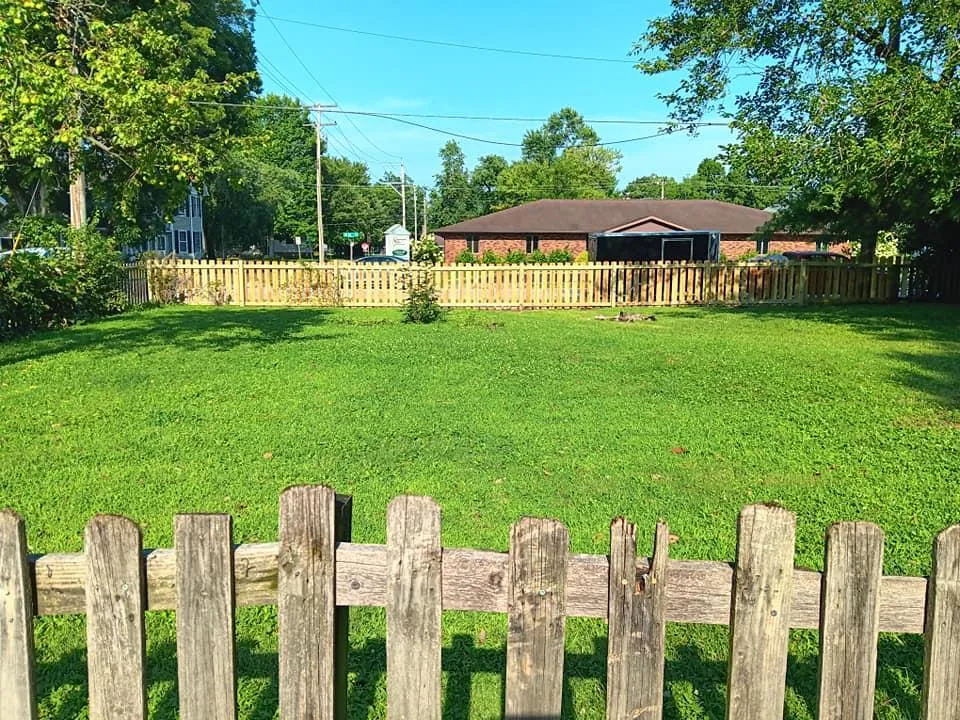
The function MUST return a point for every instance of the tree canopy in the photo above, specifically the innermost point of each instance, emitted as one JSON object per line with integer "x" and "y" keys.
{"x": 854, "y": 105}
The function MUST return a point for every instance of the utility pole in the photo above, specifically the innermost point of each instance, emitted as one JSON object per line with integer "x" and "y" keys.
{"x": 415, "y": 222}
{"x": 403, "y": 194}
{"x": 661, "y": 189}
{"x": 426, "y": 205}
{"x": 321, "y": 253}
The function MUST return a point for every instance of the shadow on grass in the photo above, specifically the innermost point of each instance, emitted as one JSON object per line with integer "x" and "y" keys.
{"x": 208, "y": 329}
{"x": 898, "y": 680}
{"x": 935, "y": 373}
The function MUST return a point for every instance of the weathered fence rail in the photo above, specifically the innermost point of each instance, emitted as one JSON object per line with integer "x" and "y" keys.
{"x": 244, "y": 282}
{"x": 313, "y": 574}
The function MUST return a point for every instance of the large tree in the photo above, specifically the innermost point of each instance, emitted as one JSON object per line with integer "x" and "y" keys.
{"x": 110, "y": 91}
{"x": 854, "y": 104}
{"x": 450, "y": 201}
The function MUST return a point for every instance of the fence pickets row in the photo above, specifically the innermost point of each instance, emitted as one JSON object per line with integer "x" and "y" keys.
{"x": 535, "y": 286}
{"x": 312, "y": 638}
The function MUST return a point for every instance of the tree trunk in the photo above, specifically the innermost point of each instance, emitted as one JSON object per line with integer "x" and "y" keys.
{"x": 78, "y": 198}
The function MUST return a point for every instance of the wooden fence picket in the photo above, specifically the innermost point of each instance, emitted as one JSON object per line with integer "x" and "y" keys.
{"x": 414, "y": 604}
{"x": 17, "y": 692}
{"x": 850, "y": 621}
{"x": 205, "y": 617}
{"x": 941, "y": 689}
{"x": 536, "y": 620}
{"x": 760, "y": 613}
{"x": 116, "y": 599}
{"x": 305, "y": 603}
{"x": 636, "y": 626}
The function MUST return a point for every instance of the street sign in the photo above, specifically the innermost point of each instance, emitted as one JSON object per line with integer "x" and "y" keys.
{"x": 297, "y": 240}
{"x": 349, "y": 235}
{"x": 364, "y": 246}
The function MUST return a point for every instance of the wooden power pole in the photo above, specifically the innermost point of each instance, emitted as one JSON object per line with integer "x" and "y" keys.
{"x": 318, "y": 124}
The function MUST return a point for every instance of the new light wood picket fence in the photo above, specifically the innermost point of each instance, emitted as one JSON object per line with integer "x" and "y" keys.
{"x": 313, "y": 573}
{"x": 244, "y": 282}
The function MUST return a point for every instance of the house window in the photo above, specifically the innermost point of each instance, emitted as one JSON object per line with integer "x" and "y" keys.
{"x": 195, "y": 206}
{"x": 533, "y": 243}
{"x": 197, "y": 243}
{"x": 763, "y": 246}
{"x": 473, "y": 243}
{"x": 184, "y": 242}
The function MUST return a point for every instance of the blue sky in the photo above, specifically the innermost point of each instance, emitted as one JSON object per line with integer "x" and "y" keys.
{"x": 380, "y": 75}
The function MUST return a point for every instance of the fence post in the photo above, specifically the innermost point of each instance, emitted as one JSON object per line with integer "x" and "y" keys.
{"x": 537, "y": 577}
{"x": 636, "y": 627}
{"x": 941, "y": 692}
{"x": 760, "y": 613}
{"x": 341, "y": 615}
{"x": 16, "y": 616}
{"x": 804, "y": 282}
{"x": 242, "y": 282}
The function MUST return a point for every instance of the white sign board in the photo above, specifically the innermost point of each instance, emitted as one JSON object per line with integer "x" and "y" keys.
{"x": 398, "y": 245}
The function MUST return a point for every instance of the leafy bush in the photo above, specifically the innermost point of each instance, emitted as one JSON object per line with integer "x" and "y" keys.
{"x": 491, "y": 258}
{"x": 427, "y": 251}
{"x": 515, "y": 257}
{"x": 466, "y": 258}
{"x": 421, "y": 305}
{"x": 538, "y": 256}
{"x": 78, "y": 282}
{"x": 582, "y": 258}
{"x": 560, "y": 256}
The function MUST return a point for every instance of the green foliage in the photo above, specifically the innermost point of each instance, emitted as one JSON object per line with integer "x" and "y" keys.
{"x": 422, "y": 305}
{"x": 465, "y": 257}
{"x": 582, "y": 258}
{"x": 538, "y": 256}
{"x": 426, "y": 250}
{"x": 40, "y": 230}
{"x": 491, "y": 258}
{"x": 562, "y": 255}
{"x": 450, "y": 201}
{"x": 854, "y": 106}
{"x": 515, "y": 257}
{"x": 78, "y": 282}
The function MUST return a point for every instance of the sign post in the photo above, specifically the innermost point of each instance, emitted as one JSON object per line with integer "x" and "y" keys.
{"x": 352, "y": 236}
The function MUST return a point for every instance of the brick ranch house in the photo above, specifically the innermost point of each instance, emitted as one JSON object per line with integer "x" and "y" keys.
{"x": 623, "y": 230}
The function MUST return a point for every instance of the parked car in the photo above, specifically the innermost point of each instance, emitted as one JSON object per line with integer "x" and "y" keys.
{"x": 815, "y": 256}
{"x": 379, "y": 260}
{"x": 771, "y": 259}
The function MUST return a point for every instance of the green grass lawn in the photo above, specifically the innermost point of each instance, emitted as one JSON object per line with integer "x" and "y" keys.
{"x": 837, "y": 413}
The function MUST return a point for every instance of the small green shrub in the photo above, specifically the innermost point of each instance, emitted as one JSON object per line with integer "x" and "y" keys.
{"x": 466, "y": 258}
{"x": 491, "y": 258}
{"x": 538, "y": 256}
{"x": 515, "y": 257}
{"x": 560, "y": 256}
{"x": 422, "y": 305}
{"x": 582, "y": 258}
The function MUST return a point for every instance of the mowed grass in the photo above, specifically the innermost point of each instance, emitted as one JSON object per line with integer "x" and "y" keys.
{"x": 836, "y": 413}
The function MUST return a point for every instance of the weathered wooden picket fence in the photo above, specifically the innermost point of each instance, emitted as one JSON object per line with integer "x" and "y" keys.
{"x": 313, "y": 573}
{"x": 244, "y": 282}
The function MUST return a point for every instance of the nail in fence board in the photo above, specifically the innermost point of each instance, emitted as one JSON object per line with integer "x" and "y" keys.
{"x": 413, "y": 609}
{"x": 205, "y": 622}
{"x": 760, "y": 613}
{"x": 536, "y": 614}
{"x": 116, "y": 599}
{"x": 17, "y": 699}
{"x": 637, "y": 625}
{"x": 941, "y": 672}
{"x": 305, "y": 599}
{"x": 850, "y": 624}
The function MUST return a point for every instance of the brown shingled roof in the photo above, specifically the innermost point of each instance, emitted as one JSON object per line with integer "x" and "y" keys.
{"x": 595, "y": 216}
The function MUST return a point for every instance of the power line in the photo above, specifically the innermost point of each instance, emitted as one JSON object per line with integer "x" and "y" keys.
{"x": 493, "y": 118}
{"x": 461, "y": 46}
{"x": 319, "y": 84}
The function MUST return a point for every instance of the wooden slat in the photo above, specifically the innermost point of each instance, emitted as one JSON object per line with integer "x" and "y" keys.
{"x": 699, "y": 591}
{"x": 17, "y": 694}
{"x": 637, "y": 625}
{"x": 851, "y": 619}
{"x": 205, "y": 639}
{"x": 536, "y": 618}
{"x": 115, "y": 630}
{"x": 413, "y": 609}
{"x": 760, "y": 613}
{"x": 306, "y": 603}
{"x": 941, "y": 689}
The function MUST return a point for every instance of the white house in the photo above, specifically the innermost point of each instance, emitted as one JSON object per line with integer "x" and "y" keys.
{"x": 183, "y": 235}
